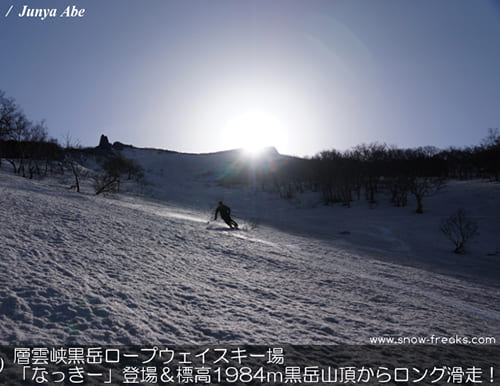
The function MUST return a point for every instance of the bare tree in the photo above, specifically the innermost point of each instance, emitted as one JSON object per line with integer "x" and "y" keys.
{"x": 458, "y": 229}
{"x": 105, "y": 182}
{"x": 373, "y": 157}
{"x": 69, "y": 160}
{"x": 422, "y": 187}
{"x": 489, "y": 154}
{"x": 399, "y": 188}
{"x": 492, "y": 139}
{"x": 36, "y": 140}
{"x": 23, "y": 143}
{"x": 114, "y": 168}
{"x": 9, "y": 111}
{"x": 10, "y": 114}
{"x": 20, "y": 133}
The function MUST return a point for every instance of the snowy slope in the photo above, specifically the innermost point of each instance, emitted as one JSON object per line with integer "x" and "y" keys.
{"x": 76, "y": 268}
{"x": 384, "y": 232}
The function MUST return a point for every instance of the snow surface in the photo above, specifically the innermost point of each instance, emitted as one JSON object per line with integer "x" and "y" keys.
{"x": 151, "y": 266}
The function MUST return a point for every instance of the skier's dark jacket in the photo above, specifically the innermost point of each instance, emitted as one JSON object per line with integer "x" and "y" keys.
{"x": 225, "y": 212}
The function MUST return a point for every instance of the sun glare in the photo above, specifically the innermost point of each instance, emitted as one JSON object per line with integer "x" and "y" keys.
{"x": 254, "y": 131}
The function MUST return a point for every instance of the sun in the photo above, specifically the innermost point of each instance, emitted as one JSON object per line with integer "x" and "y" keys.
{"x": 253, "y": 131}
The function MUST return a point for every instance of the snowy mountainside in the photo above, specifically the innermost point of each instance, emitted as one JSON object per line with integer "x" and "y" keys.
{"x": 79, "y": 268}
{"x": 385, "y": 232}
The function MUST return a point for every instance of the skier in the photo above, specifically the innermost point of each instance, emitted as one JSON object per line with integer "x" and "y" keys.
{"x": 225, "y": 213}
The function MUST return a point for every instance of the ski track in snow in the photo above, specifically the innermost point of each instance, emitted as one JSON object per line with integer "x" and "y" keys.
{"x": 84, "y": 269}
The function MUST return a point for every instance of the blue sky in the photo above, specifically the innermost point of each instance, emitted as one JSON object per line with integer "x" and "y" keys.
{"x": 304, "y": 76}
